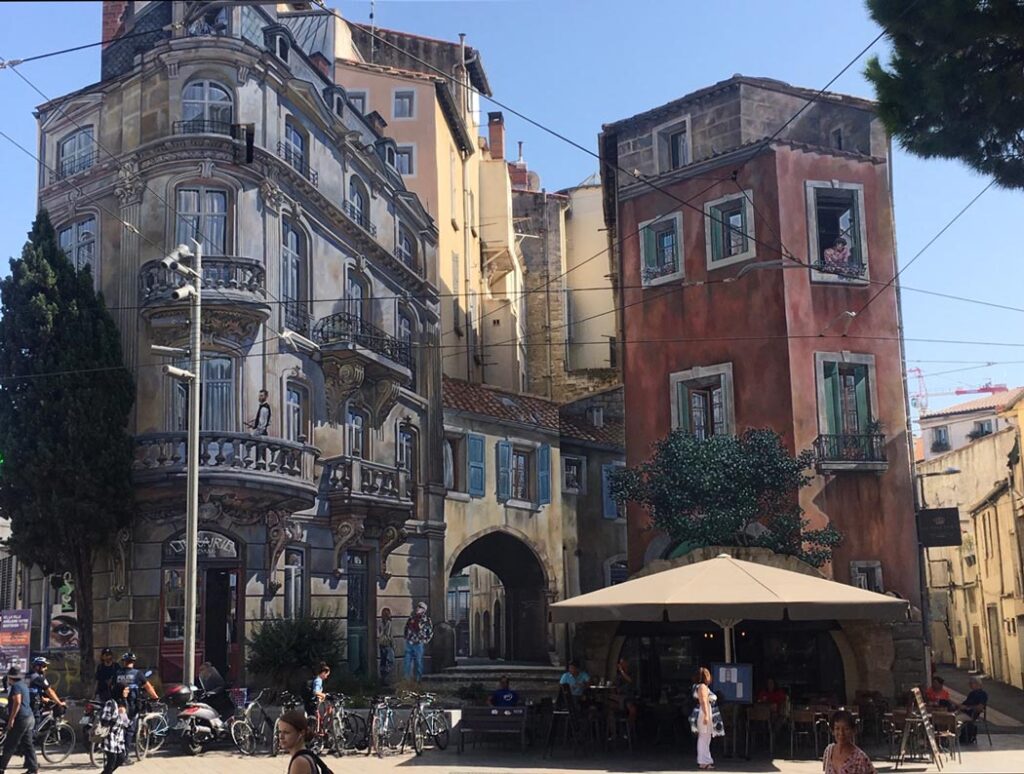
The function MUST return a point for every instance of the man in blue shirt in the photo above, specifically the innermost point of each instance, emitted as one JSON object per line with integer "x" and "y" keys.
{"x": 504, "y": 696}
{"x": 21, "y": 724}
{"x": 577, "y": 679}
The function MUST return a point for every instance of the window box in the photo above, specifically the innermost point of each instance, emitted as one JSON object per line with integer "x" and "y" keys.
{"x": 836, "y": 227}
{"x": 729, "y": 230}
{"x": 661, "y": 254}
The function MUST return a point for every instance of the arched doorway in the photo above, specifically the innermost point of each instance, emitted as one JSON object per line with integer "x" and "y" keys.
{"x": 520, "y": 602}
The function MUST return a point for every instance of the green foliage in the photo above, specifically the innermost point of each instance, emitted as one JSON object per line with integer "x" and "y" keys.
{"x": 285, "y": 650}
{"x": 65, "y": 402}
{"x": 728, "y": 491}
{"x": 954, "y": 86}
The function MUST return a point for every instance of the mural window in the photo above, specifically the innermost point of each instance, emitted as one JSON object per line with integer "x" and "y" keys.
{"x": 940, "y": 439}
{"x": 407, "y": 247}
{"x": 838, "y": 246}
{"x": 217, "y": 410}
{"x": 203, "y": 216}
{"x": 573, "y": 474}
{"x": 454, "y": 451}
{"x": 295, "y": 412}
{"x": 672, "y": 144}
{"x": 358, "y": 445}
{"x": 357, "y": 99}
{"x": 294, "y": 583}
{"x": 728, "y": 230}
{"x": 295, "y": 142}
{"x": 78, "y": 242}
{"x": 76, "y": 152}
{"x": 611, "y": 508}
{"x": 404, "y": 161}
{"x": 524, "y": 474}
{"x": 206, "y": 106}
{"x": 282, "y": 48}
{"x": 521, "y": 463}
{"x": 213, "y": 21}
{"x": 847, "y": 396}
{"x": 660, "y": 252}
{"x": 867, "y": 575}
{"x": 293, "y": 272}
{"x": 701, "y": 405}
{"x": 358, "y": 201}
{"x": 356, "y": 296}
{"x": 406, "y": 450}
{"x": 405, "y": 104}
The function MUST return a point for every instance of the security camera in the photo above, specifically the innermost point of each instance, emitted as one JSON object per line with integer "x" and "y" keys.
{"x": 180, "y": 294}
{"x": 177, "y": 373}
{"x": 170, "y": 263}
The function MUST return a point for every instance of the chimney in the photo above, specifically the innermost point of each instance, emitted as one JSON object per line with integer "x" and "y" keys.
{"x": 518, "y": 172}
{"x": 113, "y": 20}
{"x": 496, "y": 134}
{"x": 377, "y": 122}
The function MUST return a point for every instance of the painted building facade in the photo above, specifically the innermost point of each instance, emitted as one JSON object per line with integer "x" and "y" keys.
{"x": 319, "y": 284}
{"x": 722, "y": 331}
{"x": 954, "y": 427}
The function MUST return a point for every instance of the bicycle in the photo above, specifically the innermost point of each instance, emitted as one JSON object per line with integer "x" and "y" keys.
{"x": 439, "y": 727}
{"x": 289, "y": 702}
{"x": 157, "y": 723}
{"x": 348, "y": 729}
{"x": 150, "y": 731}
{"x": 55, "y": 735}
{"x": 383, "y": 728}
{"x": 415, "y": 725}
{"x": 254, "y": 729}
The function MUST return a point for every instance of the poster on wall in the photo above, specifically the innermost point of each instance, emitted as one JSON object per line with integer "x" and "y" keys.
{"x": 15, "y": 638}
{"x": 62, "y": 633}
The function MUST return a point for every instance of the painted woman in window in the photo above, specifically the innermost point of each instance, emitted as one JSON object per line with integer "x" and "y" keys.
{"x": 839, "y": 256}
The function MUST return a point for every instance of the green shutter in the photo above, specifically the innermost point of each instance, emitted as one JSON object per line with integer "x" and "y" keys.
{"x": 649, "y": 248}
{"x": 475, "y": 463}
{"x": 833, "y": 407}
{"x": 544, "y": 475}
{"x": 683, "y": 407}
{"x": 863, "y": 403}
{"x": 717, "y": 229}
{"x": 504, "y": 470}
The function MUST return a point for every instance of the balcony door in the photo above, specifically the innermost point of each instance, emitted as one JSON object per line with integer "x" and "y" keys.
{"x": 217, "y": 409}
{"x": 847, "y": 398}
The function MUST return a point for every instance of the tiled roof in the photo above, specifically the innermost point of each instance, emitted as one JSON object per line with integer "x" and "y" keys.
{"x": 492, "y": 402}
{"x": 993, "y": 402}
{"x": 611, "y": 433}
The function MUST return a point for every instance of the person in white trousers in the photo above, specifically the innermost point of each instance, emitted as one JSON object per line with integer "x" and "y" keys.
{"x": 708, "y": 722}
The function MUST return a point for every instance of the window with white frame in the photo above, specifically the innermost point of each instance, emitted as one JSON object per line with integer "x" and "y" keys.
{"x": 295, "y": 146}
{"x": 78, "y": 242}
{"x": 406, "y": 449}
{"x": 293, "y": 268}
{"x": 522, "y": 462}
{"x": 661, "y": 257}
{"x": 455, "y": 462}
{"x": 940, "y": 438}
{"x": 357, "y": 435}
{"x": 294, "y": 582}
{"x": 702, "y": 400}
{"x": 405, "y": 104}
{"x": 76, "y": 152}
{"x": 672, "y": 145}
{"x": 406, "y": 247}
{"x": 217, "y": 409}
{"x": 404, "y": 160}
{"x": 357, "y": 99}
{"x": 982, "y": 428}
{"x": 355, "y": 295}
{"x": 358, "y": 201}
{"x": 203, "y": 216}
{"x": 867, "y": 575}
{"x": 206, "y": 106}
{"x": 296, "y": 400}
{"x": 574, "y": 476}
{"x": 846, "y": 393}
{"x": 837, "y": 231}
{"x": 729, "y": 230}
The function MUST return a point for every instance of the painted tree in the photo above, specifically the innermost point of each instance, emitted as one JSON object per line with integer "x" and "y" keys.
{"x": 65, "y": 398}
{"x": 728, "y": 491}
{"x": 954, "y": 86}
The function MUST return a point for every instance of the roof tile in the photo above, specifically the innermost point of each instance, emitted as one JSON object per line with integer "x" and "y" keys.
{"x": 996, "y": 401}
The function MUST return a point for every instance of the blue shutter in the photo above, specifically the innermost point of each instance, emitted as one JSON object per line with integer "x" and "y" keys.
{"x": 504, "y": 470}
{"x": 611, "y": 508}
{"x": 477, "y": 474}
{"x": 544, "y": 475}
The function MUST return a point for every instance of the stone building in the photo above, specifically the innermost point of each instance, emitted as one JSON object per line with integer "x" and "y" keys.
{"x": 723, "y": 331}
{"x": 953, "y": 427}
{"x": 319, "y": 285}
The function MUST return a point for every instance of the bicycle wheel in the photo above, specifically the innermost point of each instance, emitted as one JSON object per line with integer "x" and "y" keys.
{"x": 439, "y": 727}
{"x": 142, "y": 740}
{"x": 58, "y": 742}
{"x": 275, "y": 741}
{"x": 96, "y": 756}
{"x": 158, "y": 730}
{"x": 359, "y": 735}
{"x": 419, "y": 734}
{"x": 243, "y": 737}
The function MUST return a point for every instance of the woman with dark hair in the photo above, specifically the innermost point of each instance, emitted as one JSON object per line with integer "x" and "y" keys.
{"x": 116, "y": 721}
{"x": 293, "y": 732}
{"x": 705, "y": 720}
{"x": 843, "y": 756}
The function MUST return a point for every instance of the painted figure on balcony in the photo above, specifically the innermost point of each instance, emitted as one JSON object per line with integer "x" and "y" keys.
{"x": 838, "y": 256}
{"x": 261, "y": 424}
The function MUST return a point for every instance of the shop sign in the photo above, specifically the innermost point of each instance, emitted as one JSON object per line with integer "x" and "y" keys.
{"x": 15, "y": 638}
{"x": 210, "y": 545}
{"x": 938, "y": 527}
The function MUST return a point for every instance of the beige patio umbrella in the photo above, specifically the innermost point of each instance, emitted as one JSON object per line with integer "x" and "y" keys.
{"x": 727, "y": 591}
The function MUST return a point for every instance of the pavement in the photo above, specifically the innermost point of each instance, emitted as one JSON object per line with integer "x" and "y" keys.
{"x": 1005, "y": 756}
{"x": 1005, "y": 702}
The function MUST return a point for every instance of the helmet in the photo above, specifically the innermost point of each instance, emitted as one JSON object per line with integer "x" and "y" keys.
{"x": 40, "y": 661}
{"x": 128, "y": 656}
{"x": 106, "y": 652}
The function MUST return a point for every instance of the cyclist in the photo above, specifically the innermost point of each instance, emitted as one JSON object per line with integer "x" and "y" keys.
{"x": 39, "y": 687}
{"x": 106, "y": 672}
{"x": 315, "y": 692}
{"x": 134, "y": 679}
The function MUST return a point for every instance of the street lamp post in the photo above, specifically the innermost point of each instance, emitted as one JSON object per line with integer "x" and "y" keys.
{"x": 193, "y": 377}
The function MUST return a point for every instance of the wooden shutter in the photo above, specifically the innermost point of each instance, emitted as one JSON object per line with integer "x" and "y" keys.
{"x": 683, "y": 407}
{"x": 833, "y": 405}
{"x": 477, "y": 474}
{"x": 649, "y": 249}
{"x": 504, "y": 470}
{"x": 863, "y": 403}
{"x": 544, "y": 475}
{"x": 611, "y": 508}
{"x": 717, "y": 229}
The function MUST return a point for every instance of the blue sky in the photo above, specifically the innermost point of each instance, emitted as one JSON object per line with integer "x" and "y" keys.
{"x": 575, "y": 65}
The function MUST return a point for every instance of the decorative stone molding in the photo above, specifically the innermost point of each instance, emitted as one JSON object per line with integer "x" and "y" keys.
{"x": 346, "y": 534}
{"x": 281, "y": 530}
{"x": 390, "y": 538}
{"x": 206, "y": 169}
{"x": 168, "y": 328}
{"x": 224, "y": 509}
{"x": 129, "y": 185}
{"x": 385, "y": 397}
{"x": 340, "y": 381}
{"x": 243, "y": 74}
{"x": 271, "y": 195}
{"x": 119, "y": 563}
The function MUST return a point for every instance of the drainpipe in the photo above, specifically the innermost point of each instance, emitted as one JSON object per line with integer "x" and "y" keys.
{"x": 547, "y": 291}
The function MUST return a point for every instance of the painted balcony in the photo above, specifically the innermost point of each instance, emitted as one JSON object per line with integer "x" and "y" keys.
{"x": 851, "y": 453}
{"x": 344, "y": 336}
{"x": 368, "y": 484}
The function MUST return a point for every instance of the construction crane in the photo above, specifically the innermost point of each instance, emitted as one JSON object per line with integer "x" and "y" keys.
{"x": 919, "y": 398}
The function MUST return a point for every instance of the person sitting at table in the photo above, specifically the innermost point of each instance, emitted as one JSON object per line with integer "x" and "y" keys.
{"x": 623, "y": 697}
{"x": 504, "y": 696}
{"x": 772, "y": 694}
{"x": 576, "y": 680}
{"x": 937, "y": 694}
{"x": 976, "y": 700}
{"x": 843, "y": 756}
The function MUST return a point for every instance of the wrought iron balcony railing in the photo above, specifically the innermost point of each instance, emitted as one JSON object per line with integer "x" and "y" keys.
{"x": 852, "y": 452}
{"x": 297, "y": 317}
{"x": 68, "y": 167}
{"x": 201, "y": 126}
{"x": 347, "y": 328}
{"x": 298, "y": 162}
{"x": 852, "y": 270}
{"x": 242, "y": 276}
{"x": 361, "y": 218}
{"x": 354, "y": 477}
{"x": 651, "y": 273}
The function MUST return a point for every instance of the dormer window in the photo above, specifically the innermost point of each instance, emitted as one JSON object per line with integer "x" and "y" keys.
{"x": 281, "y": 48}
{"x": 339, "y": 105}
{"x": 390, "y": 153}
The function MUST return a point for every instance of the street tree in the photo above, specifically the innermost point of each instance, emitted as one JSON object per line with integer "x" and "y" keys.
{"x": 65, "y": 398}
{"x": 954, "y": 86}
{"x": 728, "y": 491}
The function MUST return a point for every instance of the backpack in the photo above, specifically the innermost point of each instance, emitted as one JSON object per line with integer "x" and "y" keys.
{"x": 319, "y": 767}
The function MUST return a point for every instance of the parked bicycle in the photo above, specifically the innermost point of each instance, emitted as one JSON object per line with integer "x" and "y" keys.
{"x": 55, "y": 736}
{"x": 415, "y": 729}
{"x": 149, "y": 731}
{"x": 438, "y": 725}
{"x": 255, "y": 729}
{"x": 348, "y": 729}
{"x": 383, "y": 726}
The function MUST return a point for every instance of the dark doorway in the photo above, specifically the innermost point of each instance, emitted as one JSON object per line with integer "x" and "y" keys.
{"x": 357, "y": 614}
{"x": 217, "y": 608}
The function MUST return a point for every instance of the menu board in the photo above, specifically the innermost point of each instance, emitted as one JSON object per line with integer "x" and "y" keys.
{"x": 15, "y": 635}
{"x": 733, "y": 682}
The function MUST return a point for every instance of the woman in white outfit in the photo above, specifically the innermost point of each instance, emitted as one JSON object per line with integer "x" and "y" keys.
{"x": 705, "y": 720}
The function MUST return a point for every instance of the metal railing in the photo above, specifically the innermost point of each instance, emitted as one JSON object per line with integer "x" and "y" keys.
{"x": 344, "y": 327}
{"x": 224, "y": 451}
{"x": 655, "y": 272}
{"x": 243, "y": 275}
{"x": 298, "y": 162}
{"x": 361, "y": 218}
{"x": 868, "y": 447}
{"x": 201, "y": 126}
{"x": 68, "y": 167}
{"x": 852, "y": 270}
{"x": 354, "y": 476}
{"x": 297, "y": 317}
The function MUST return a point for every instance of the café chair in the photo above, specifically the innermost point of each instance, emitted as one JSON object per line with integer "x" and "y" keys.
{"x": 947, "y": 730}
{"x": 759, "y": 716}
{"x": 802, "y": 722}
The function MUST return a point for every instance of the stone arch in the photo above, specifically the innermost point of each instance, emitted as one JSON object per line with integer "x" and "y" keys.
{"x": 538, "y": 552}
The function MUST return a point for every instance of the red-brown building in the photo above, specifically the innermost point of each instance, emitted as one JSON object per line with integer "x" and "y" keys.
{"x": 763, "y": 302}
